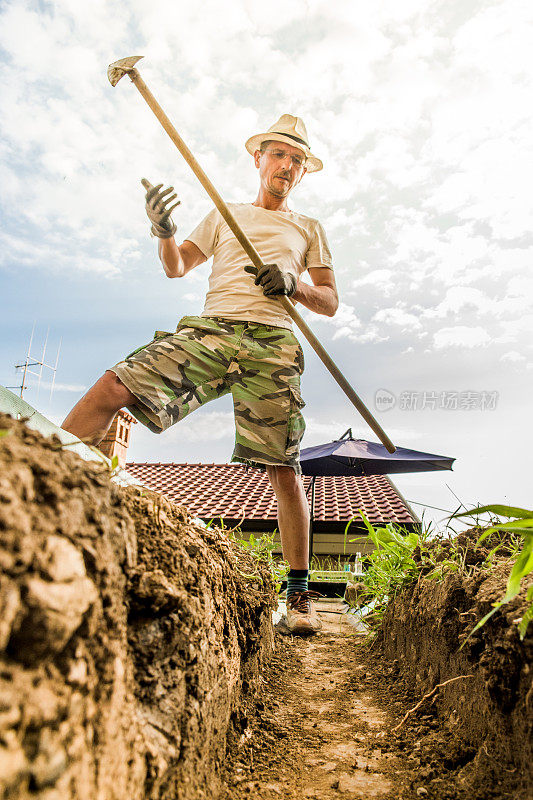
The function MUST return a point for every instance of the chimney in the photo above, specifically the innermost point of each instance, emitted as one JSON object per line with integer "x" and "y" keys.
{"x": 117, "y": 438}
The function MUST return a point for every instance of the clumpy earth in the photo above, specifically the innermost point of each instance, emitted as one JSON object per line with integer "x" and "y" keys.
{"x": 427, "y": 633}
{"x": 130, "y": 637}
{"x": 336, "y": 721}
{"x": 345, "y": 717}
{"x": 137, "y": 661}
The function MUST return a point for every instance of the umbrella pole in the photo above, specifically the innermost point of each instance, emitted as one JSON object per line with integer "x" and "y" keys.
{"x": 311, "y": 517}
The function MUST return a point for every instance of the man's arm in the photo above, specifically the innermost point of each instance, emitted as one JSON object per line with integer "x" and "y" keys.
{"x": 177, "y": 261}
{"x": 322, "y": 297}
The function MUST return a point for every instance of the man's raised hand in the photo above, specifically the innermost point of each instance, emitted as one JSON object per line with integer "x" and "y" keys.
{"x": 273, "y": 280}
{"x": 159, "y": 209}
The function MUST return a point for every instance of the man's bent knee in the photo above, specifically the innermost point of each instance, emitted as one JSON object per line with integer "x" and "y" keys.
{"x": 284, "y": 478}
{"x": 112, "y": 392}
{"x": 93, "y": 414}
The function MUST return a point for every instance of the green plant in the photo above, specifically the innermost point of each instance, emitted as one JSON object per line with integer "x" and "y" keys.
{"x": 327, "y": 563}
{"x": 391, "y": 565}
{"x": 400, "y": 557}
{"x": 523, "y": 563}
{"x": 261, "y": 549}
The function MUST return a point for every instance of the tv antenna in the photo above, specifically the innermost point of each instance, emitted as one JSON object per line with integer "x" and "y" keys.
{"x": 32, "y": 361}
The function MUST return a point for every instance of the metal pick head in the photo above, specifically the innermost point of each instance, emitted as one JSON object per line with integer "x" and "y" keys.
{"x": 120, "y": 68}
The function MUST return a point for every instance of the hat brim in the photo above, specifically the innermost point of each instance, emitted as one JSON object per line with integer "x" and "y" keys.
{"x": 312, "y": 164}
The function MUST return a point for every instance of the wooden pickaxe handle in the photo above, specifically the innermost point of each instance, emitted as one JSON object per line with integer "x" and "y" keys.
{"x": 125, "y": 67}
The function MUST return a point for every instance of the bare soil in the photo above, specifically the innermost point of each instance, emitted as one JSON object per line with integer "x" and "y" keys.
{"x": 341, "y": 720}
{"x": 319, "y": 729}
{"x": 129, "y": 635}
{"x": 326, "y": 728}
{"x": 136, "y": 661}
{"x": 426, "y": 633}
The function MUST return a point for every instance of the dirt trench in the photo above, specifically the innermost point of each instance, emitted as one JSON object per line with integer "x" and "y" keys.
{"x": 130, "y": 637}
{"x": 137, "y": 660}
{"x": 319, "y": 728}
{"x": 333, "y": 723}
{"x": 427, "y": 635}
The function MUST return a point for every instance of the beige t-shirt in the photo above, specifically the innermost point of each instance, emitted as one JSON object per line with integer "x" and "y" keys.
{"x": 293, "y": 241}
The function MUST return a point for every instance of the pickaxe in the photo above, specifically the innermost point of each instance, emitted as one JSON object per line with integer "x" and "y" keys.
{"x": 126, "y": 66}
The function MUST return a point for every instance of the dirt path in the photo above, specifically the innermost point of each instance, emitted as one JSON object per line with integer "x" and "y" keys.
{"x": 324, "y": 730}
{"x": 321, "y": 734}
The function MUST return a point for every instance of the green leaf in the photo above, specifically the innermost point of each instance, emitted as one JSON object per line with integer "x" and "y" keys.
{"x": 114, "y": 462}
{"x": 504, "y": 511}
{"x": 522, "y": 567}
{"x": 508, "y": 526}
{"x": 526, "y": 619}
{"x": 484, "y": 620}
{"x": 524, "y": 522}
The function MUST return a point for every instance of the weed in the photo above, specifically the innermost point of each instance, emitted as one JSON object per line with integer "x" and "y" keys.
{"x": 523, "y": 560}
{"x": 394, "y": 562}
{"x": 401, "y": 557}
{"x": 327, "y": 563}
{"x": 261, "y": 549}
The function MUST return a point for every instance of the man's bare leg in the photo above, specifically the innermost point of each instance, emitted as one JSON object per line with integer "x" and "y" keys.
{"x": 91, "y": 417}
{"x": 293, "y": 515}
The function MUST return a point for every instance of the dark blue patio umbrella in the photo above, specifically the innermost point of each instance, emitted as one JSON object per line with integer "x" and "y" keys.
{"x": 357, "y": 457}
{"x": 349, "y": 456}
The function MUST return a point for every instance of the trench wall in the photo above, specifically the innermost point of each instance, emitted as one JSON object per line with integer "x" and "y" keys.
{"x": 131, "y": 639}
{"x": 492, "y": 710}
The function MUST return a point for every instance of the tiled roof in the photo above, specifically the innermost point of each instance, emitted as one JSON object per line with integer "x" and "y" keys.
{"x": 233, "y": 491}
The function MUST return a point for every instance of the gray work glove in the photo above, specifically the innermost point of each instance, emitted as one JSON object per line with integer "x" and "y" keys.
{"x": 273, "y": 280}
{"x": 159, "y": 209}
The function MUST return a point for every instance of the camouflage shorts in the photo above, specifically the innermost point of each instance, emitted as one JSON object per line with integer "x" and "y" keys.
{"x": 208, "y": 357}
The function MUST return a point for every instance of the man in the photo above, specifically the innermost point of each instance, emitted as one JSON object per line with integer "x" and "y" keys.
{"x": 242, "y": 343}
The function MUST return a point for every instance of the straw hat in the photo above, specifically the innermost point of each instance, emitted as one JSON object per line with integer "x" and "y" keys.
{"x": 290, "y": 130}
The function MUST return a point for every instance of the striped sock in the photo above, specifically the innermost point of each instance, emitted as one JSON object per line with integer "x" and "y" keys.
{"x": 297, "y": 581}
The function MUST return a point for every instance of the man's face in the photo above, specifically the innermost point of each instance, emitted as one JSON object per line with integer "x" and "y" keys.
{"x": 281, "y": 167}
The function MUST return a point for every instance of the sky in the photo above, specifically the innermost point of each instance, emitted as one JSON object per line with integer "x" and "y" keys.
{"x": 421, "y": 113}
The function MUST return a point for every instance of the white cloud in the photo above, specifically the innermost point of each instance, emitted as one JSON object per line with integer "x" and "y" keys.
{"x": 348, "y": 325}
{"x": 475, "y": 303}
{"x": 513, "y": 357}
{"x": 203, "y": 426}
{"x": 354, "y": 222}
{"x": 458, "y": 298}
{"x": 319, "y": 432}
{"x": 18, "y": 250}
{"x": 62, "y": 387}
{"x": 397, "y": 316}
{"x": 482, "y": 124}
{"x": 517, "y": 330}
{"x": 460, "y": 336}
{"x": 381, "y": 279}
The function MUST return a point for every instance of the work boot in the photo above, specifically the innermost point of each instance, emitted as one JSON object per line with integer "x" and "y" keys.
{"x": 302, "y": 618}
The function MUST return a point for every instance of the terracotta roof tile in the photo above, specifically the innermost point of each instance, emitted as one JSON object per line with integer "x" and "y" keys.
{"x": 233, "y": 491}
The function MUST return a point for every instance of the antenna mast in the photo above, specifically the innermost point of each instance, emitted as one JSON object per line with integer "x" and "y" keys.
{"x": 31, "y": 361}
